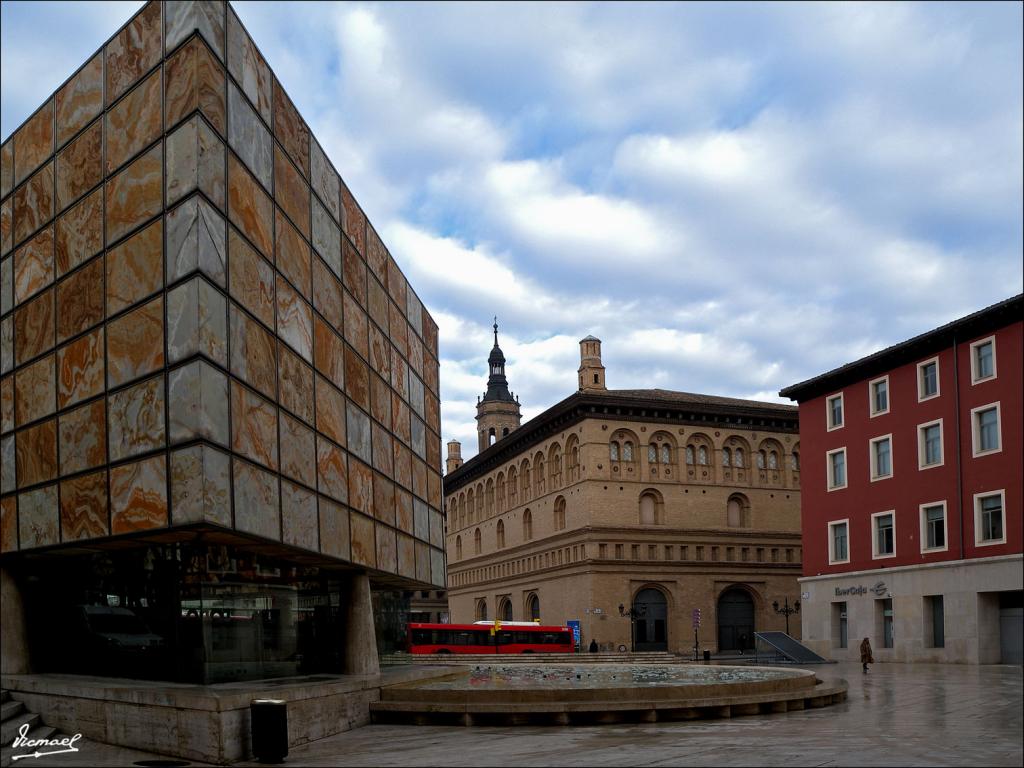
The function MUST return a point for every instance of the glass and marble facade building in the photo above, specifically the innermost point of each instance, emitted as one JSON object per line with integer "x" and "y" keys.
{"x": 220, "y": 414}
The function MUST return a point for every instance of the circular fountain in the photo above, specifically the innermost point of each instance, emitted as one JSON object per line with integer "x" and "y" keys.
{"x": 563, "y": 694}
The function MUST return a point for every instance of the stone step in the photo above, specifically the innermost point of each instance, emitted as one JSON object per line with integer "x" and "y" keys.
{"x": 9, "y": 728}
{"x": 40, "y": 732}
{"x": 9, "y": 709}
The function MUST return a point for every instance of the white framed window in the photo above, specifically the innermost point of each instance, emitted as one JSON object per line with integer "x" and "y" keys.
{"x": 989, "y": 518}
{"x": 928, "y": 379}
{"x": 883, "y": 534}
{"x": 983, "y": 360}
{"x": 835, "y": 466}
{"x": 881, "y": 457}
{"x": 839, "y": 542}
{"x": 933, "y": 527}
{"x": 986, "y": 429}
{"x": 834, "y": 411}
{"x": 929, "y": 445}
{"x": 878, "y": 396}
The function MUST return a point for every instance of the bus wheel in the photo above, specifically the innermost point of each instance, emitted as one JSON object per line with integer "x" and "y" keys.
{"x": 527, "y": 651}
{"x": 444, "y": 651}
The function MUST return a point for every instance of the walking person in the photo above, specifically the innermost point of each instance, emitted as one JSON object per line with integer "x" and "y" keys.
{"x": 865, "y": 654}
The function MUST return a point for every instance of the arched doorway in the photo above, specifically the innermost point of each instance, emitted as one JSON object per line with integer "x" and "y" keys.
{"x": 650, "y": 621}
{"x": 735, "y": 620}
{"x": 505, "y": 610}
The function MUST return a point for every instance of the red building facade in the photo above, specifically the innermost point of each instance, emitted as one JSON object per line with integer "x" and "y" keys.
{"x": 912, "y": 495}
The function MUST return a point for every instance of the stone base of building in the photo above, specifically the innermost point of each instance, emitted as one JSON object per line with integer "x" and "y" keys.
{"x": 203, "y": 723}
{"x": 960, "y": 612}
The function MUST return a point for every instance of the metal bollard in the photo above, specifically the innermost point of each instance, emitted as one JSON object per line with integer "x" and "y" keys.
{"x": 269, "y": 729}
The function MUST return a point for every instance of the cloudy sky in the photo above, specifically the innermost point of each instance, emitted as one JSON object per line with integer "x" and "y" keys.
{"x": 734, "y": 197}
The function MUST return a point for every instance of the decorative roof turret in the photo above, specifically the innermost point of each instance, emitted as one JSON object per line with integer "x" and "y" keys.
{"x": 497, "y": 384}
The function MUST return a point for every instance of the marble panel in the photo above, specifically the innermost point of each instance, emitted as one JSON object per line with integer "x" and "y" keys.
{"x": 38, "y": 515}
{"x": 291, "y": 130}
{"x": 403, "y": 465}
{"x": 355, "y": 221}
{"x": 80, "y": 300}
{"x": 135, "y": 268}
{"x": 331, "y": 470}
{"x": 384, "y": 499}
{"x": 364, "y": 548}
{"x": 387, "y": 549}
{"x": 326, "y": 238}
{"x": 291, "y": 191}
{"x": 415, "y": 395}
{"x": 135, "y": 194}
{"x": 380, "y": 354}
{"x": 83, "y": 507}
{"x": 419, "y": 477}
{"x": 80, "y": 166}
{"x": 248, "y": 67}
{"x": 249, "y": 137}
{"x": 376, "y": 255}
{"x": 195, "y": 160}
{"x": 422, "y": 562}
{"x": 6, "y": 167}
{"x": 196, "y": 240}
{"x": 200, "y": 486}
{"x": 421, "y": 519}
{"x": 138, "y": 495}
{"x": 399, "y": 373}
{"x": 35, "y": 454}
{"x": 329, "y": 353}
{"x": 198, "y": 403}
{"x": 294, "y": 320}
{"x": 298, "y": 451}
{"x": 396, "y": 285}
{"x": 79, "y": 234}
{"x": 33, "y": 265}
{"x": 325, "y": 180}
{"x": 377, "y": 304}
{"x": 251, "y": 279}
{"x": 7, "y": 343}
{"x": 403, "y": 510}
{"x": 6, "y": 227}
{"x": 133, "y": 51}
{"x": 414, "y": 311}
{"x": 293, "y": 254}
{"x": 197, "y": 322}
{"x": 360, "y": 486}
{"x": 436, "y": 528}
{"x": 253, "y": 357}
{"x": 194, "y": 79}
{"x": 357, "y": 381}
{"x": 327, "y": 295}
{"x": 33, "y": 203}
{"x": 406, "y": 556}
{"x": 416, "y": 354}
{"x": 383, "y": 453}
{"x": 399, "y": 330}
{"x": 257, "y": 502}
{"x": 135, "y": 343}
{"x": 400, "y": 419}
{"x": 134, "y": 122}
{"x": 183, "y": 17}
{"x": 433, "y": 449}
{"x": 299, "y": 524}
{"x": 83, "y": 438}
{"x": 249, "y": 207}
{"x": 9, "y": 524}
{"x": 35, "y": 391}
{"x": 80, "y": 369}
{"x": 354, "y": 276}
{"x": 434, "y": 484}
{"x": 356, "y": 326}
{"x": 34, "y": 327}
{"x": 295, "y": 380}
{"x": 380, "y": 400}
{"x": 330, "y": 411}
{"x": 253, "y": 426}
{"x": 358, "y": 432}
{"x": 431, "y": 372}
{"x": 437, "y": 569}
{"x": 334, "y": 529}
{"x": 80, "y": 100}
{"x": 429, "y": 333}
{"x": 7, "y": 404}
{"x": 8, "y": 464}
{"x": 135, "y": 419}
{"x": 432, "y": 412}
{"x": 33, "y": 142}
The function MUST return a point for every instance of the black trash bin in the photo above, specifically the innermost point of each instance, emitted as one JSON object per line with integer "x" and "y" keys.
{"x": 707, "y": 656}
{"x": 269, "y": 728}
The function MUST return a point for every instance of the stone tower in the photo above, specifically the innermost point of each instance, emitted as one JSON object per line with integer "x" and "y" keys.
{"x": 454, "y": 460}
{"x": 591, "y": 370}
{"x": 497, "y": 414}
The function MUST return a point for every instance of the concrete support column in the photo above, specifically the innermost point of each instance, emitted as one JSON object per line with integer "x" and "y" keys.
{"x": 14, "y": 658}
{"x": 360, "y": 637}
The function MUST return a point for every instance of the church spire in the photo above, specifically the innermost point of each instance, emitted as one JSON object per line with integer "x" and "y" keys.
{"x": 497, "y": 412}
{"x": 497, "y": 384}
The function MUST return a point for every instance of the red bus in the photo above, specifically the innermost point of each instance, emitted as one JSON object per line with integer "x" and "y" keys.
{"x": 477, "y": 638}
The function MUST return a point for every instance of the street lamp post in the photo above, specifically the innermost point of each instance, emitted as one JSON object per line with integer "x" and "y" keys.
{"x": 786, "y": 610}
{"x": 634, "y": 613}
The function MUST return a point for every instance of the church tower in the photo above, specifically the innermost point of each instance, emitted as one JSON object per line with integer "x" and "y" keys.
{"x": 497, "y": 414}
{"x": 591, "y": 370}
{"x": 454, "y": 459}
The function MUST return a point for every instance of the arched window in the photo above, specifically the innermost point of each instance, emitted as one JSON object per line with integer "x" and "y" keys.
{"x": 458, "y": 547}
{"x": 773, "y": 460}
{"x": 479, "y": 501}
{"x": 554, "y": 467}
{"x": 560, "y": 513}
{"x": 490, "y": 497}
{"x": 572, "y": 460}
{"x": 738, "y": 458}
{"x": 652, "y": 453}
{"x": 689, "y": 454}
{"x": 505, "y": 609}
{"x": 501, "y": 534}
{"x": 470, "y": 507}
{"x": 627, "y": 451}
{"x": 524, "y": 484}
{"x": 513, "y": 480}
{"x": 726, "y": 457}
{"x": 504, "y": 432}
{"x": 538, "y": 474}
{"x": 734, "y": 513}
{"x": 533, "y": 608}
{"x": 796, "y": 461}
{"x": 666, "y": 454}
{"x": 501, "y": 491}
{"x": 613, "y": 451}
{"x": 651, "y": 508}
{"x": 477, "y": 539}
{"x": 481, "y": 609}
{"x": 702, "y": 456}
{"x": 527, "y": 525}
{"x": 760, "y": 459}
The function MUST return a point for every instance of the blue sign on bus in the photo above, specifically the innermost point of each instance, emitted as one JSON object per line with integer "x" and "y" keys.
{"x": 575, "y": 626}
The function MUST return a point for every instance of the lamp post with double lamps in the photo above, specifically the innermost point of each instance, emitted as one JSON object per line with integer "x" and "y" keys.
{"x": 786, "y": 610}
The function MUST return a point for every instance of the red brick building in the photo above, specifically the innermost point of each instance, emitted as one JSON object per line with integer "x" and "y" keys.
{"x": 911, "y": 496}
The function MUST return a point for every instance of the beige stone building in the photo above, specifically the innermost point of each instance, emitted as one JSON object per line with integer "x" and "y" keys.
{"x": 626, "y": 510}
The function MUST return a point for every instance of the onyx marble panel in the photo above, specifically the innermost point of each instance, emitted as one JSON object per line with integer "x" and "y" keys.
{"x": 196, "y": 322}
{"x": 38, "y": 515}
{"x": 83, "y": 507}
{"x": 136, "y": 419}
{"x": 195, "y": 160}
{"x": 331, "y": 470}
{"x": 248, "y": 67}
{"x": 135, "y": 343}
{"x": 35, "y": 391}
{"x": 299, "y": 516}
{"x": 251, "y": 279}
{"x": 253, "y": 426}
{"x": 253, "y": 356}
{"x": 133, "y": 51}
{"x": 293, "y": 254}
{"x": 291, "y": 191}
{"x": 80, "y": 166}
{"x": 196, "y": 240}
{"x": 198, "y": 403}
{"x": 294, "y": 320}
{"x": 34, "y": 327}
{"x": 135, "y": 268}
{"x": 326, "y": 238}
{"x": 80, "y": 369}
{"x": 138, "y": 495}
{"x": 295, "y": 381}
{"x": 334, "y": 529}
{"x": 33, "y": 142}
{"x": 194, "y": 80}
{"x": 135, "y": 194}
{"x": 257, "y": 501}
{"x": 80, "y": 300}
{"x": 33, "y": 265}
{"x": 249, "y": 207}
{"x": 33, "y": 203}
{"x": 80, "y": 99}
{"x": 325, "y": 181}
{"x": 183, "y": 17}
{"x": 79, "y": 233}
{"x": 35, "y": 453}
{"x": 200, "y": 486}
{"x": 83, "y": 437}
{"x": 298, "y": 451}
